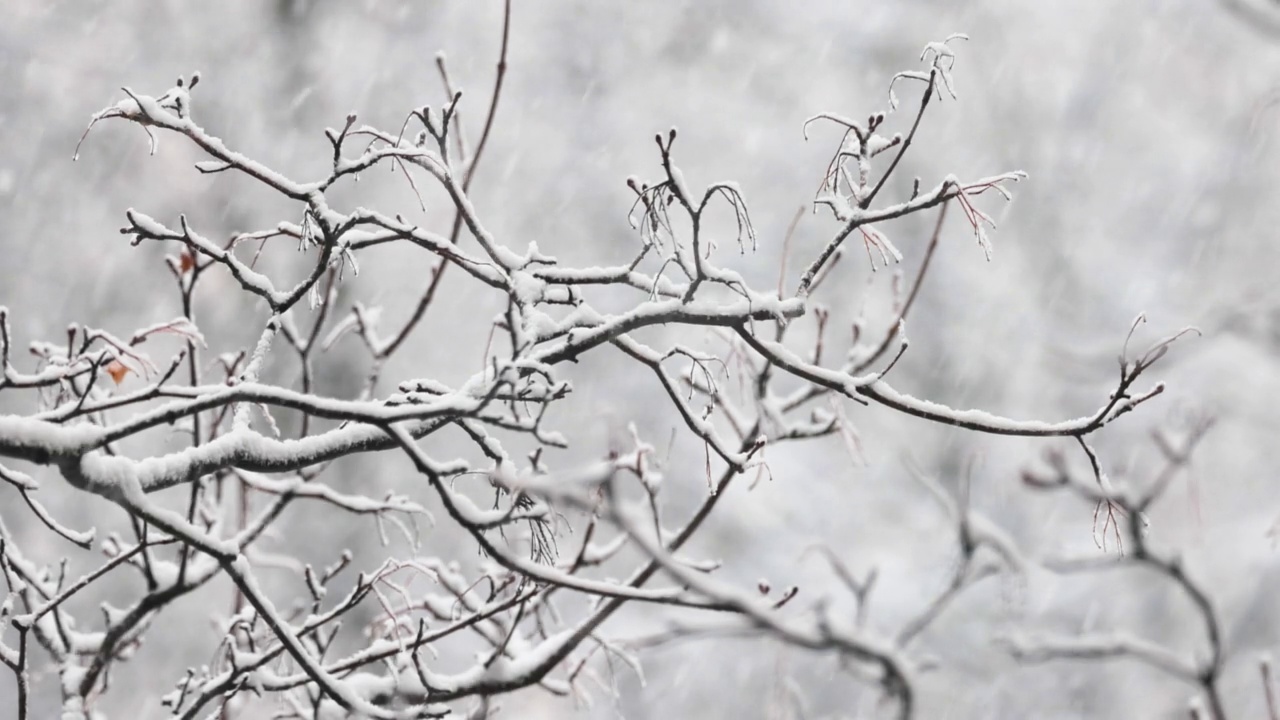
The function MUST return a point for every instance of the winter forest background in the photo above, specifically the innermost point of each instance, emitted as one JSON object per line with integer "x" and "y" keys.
{"x": 1150, "y": 133}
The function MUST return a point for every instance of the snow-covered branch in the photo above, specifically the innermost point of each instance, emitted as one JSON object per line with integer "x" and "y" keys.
{"x": 255, "y": 445}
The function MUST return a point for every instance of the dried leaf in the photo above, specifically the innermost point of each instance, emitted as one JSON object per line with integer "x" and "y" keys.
{"x": 117, "y": 370}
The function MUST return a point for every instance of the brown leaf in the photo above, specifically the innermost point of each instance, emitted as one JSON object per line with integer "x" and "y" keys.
{"x": 117, "y": 370}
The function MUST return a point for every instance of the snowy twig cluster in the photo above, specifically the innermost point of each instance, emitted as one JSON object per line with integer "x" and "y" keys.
{"x": 252, "y": 449}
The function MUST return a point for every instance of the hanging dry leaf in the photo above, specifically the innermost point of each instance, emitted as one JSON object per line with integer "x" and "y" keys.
{"x": 117, "y": 370}
{"x": 186, "y": 261}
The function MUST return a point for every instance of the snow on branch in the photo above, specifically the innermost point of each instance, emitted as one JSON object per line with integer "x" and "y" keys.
{"x": 254, "y": 446}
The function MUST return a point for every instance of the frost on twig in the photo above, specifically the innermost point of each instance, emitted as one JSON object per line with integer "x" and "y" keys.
{"x": 850, "y": 183}
{"x": 145, "y": 110}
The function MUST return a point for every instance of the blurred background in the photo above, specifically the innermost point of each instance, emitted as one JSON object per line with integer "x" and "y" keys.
{"x": 1149, "y": 131}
